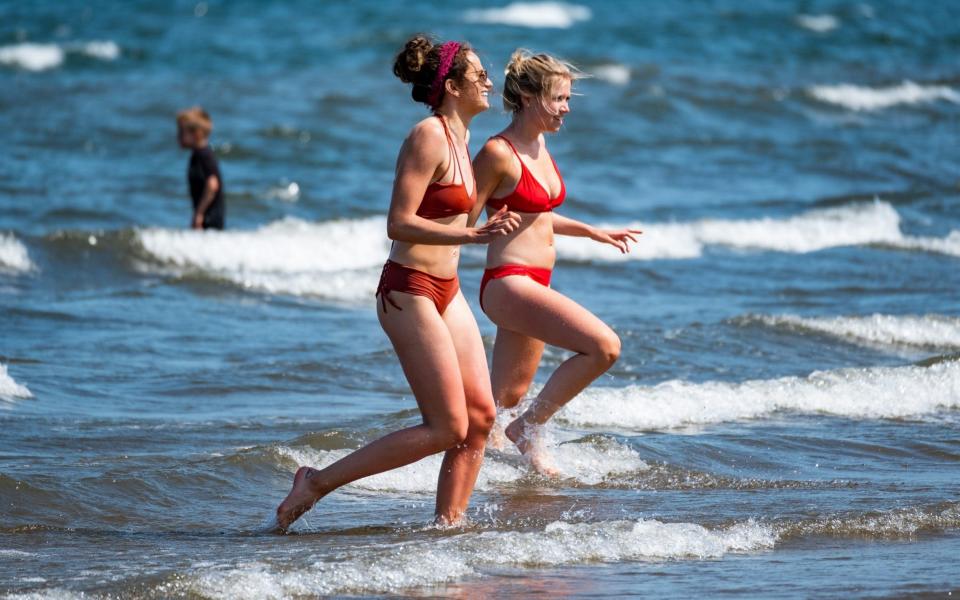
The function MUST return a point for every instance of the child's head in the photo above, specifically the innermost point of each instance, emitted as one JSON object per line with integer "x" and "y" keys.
{"x": 193, "y": 127}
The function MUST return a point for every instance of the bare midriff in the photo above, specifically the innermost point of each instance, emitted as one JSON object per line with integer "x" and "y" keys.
{"x": 530, "y": 244}
{"x": 440, "y": 261}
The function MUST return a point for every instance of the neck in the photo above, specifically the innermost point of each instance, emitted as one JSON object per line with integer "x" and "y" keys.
{"x": 525, "y": 128}
{"x": 457, "y": 121}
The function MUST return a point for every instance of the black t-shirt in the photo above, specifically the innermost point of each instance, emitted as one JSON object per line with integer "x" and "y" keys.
{"x": 203, "y": 164}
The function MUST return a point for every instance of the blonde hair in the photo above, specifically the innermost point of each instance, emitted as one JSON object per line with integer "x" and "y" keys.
{"x": 195, "y": 118}
{"x": 533, "y": 75}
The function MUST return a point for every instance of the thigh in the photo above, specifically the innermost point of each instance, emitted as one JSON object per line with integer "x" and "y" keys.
{"x": 515, "y": 360}
{"x": 427, "y": 354}
{"x": 470, "y": 353}
{"x": 523, "y": 306}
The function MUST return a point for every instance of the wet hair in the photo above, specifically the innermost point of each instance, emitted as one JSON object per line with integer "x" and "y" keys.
{"x": 195, "y": 118}
{"x": 533, "y": 75}
{"x": 419, "y": 61}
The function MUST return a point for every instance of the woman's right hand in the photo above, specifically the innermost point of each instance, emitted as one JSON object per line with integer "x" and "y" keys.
{"x": 503, "y": 222}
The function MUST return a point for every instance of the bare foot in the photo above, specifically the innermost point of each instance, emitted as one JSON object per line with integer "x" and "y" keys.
{"x": 529, "y": 442}
{"x": 301, "y": 498}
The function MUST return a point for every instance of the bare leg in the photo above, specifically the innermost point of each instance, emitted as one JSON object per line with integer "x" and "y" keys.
{"x": 429, "y": 359}
{"x": 515, "y": 361}
{"x": 461, "y": 464}
{"x": 525, "y": 307}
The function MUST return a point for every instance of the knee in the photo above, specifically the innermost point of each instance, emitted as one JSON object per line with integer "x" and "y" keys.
{"x": 607, "y": 349}
{"x": 482, "y": 418}
{"x": 450, "y": 433}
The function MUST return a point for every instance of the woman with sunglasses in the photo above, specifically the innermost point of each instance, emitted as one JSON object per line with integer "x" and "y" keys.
{"x": 420, "y": 305}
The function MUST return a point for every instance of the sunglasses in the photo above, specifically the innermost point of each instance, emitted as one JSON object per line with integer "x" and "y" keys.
{"x": 482, "y": 75}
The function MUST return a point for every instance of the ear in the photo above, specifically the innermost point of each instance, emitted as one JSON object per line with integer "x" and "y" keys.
{"x": 451, "y": 88}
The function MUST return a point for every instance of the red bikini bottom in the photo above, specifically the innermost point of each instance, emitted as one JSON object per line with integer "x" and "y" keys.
{"x": 398, "y": 278}
{"x": 538, "y": 274}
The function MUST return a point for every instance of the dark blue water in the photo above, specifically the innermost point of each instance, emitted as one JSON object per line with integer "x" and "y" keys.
{"x": 783, "y": 420}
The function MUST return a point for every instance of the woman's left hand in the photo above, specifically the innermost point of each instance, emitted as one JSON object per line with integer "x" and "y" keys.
{"x": 618, "y": 238}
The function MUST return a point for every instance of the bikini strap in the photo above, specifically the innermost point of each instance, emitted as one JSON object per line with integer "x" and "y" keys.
{"x": 453, "y": 151}
{"x": 512, "y": 147}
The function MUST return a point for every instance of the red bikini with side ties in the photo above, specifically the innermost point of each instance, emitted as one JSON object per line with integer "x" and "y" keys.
{"x": 531, "y": 197}
{"x": 439, "y": 200}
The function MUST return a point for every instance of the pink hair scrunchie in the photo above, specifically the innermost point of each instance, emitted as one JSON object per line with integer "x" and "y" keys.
{"x": 448, "y": 52}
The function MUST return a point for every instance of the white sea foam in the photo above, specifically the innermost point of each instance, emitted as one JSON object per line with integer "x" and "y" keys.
{"x": 934, "y": 331}
{"x": 102, "y": 49}
{"x": 337, "y": 260}
{"x": 13, "y": 255}
{"x": 48, "y": 594}
{"x": 949, "y": 245}
{"x": 40, "y": 57}
{"x": 395, "y": 567}
{"x": 10, "y": 389}
{"x": 419, "y": 477}
{"x": 862, "y": 98}
{"x": 615, "y": 73}
{"x": 868, "y": 393}
{"x": 32, "y": 57}
{"x": 818, "y": 23}
{"x": 289, "y": 192}
{"x": 558, "y": 15}
{"x": 588, "y": 463}
{"x": 856, "y": 224}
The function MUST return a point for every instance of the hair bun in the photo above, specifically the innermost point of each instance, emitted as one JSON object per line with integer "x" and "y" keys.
{"x": 515, "y": 64}
{"x": 409, "y": 63}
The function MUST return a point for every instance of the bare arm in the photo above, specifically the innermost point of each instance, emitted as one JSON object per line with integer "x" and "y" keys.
{"x": 421, "y": 159}
{"x": 619, "y": 238}
{"x": 210, "y": 189}
{"x": 490, "y": 166}
{"x": 567, "y": 226}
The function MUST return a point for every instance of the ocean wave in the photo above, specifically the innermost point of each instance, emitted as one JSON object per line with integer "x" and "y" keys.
{"x": 586, "y": 462}
{"x": 395, "y": 567}
{"x": 949, "y": 245}
{"x": 896, "y": 523}
{"x": 818, "y": 23}
{"x": 616, "y": 74}
{"x": 49, "y": 594}
{"x": 289, "y": 192}
{"x": 862, "y": 98}
{"x": 852, "y": 225}
{"x": 40, "y": 57}
{"x": 862, "y": 393}
{"x": 559, "y": 15}
{"x": 341, "y": 260}
{"x": 926, "y": 331}
{"x": 13, "y": 255}
{"x": 338, "y": 260}
{"x": 9, "y": 389}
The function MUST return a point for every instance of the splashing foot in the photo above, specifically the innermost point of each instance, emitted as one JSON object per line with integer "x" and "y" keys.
{"x": 529, "y": 441}
{"x": 301, "y": 498}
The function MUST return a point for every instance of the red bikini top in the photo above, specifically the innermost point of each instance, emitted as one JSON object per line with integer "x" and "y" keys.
{"x": 448, "y": 199}
{"x": 529, "y": 196}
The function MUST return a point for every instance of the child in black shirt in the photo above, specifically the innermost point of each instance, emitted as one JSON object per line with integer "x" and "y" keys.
{"x": 203, "y": 173}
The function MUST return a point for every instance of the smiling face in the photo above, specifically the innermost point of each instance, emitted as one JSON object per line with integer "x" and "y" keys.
{"x": 555, "y": 104}
{"x": 472, "y": 93}
{"x": 549, "y": 110}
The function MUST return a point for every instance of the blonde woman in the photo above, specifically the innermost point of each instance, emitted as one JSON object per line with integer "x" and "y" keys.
{"x": 515, "y": 171}
{"x": 420, "y": 305}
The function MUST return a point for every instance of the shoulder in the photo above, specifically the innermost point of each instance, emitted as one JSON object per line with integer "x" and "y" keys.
{"x": 426, "y": 141}
{"x": 205, "y": 155}
{"x": 496, "y": 151}
{"x": 428, "y": 131}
